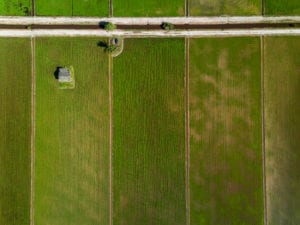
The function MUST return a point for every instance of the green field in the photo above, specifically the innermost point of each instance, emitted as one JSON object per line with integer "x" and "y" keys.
{"x": 15, "y": 7}
{"x": 15, "y": 128}
{"x": 149, "y": 133}
{"x": 224, "y": 7}
{"x": 72, "y": 134}
{"x": 282, "y": 89}
{"x": 132, "y": 8}
{"x": 282, "y": 7}
{"x": 71, "y": 8}
{"x": 226, "y": 180}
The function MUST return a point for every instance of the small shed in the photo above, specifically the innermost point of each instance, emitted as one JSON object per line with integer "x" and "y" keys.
{"x": 64, "y": 75}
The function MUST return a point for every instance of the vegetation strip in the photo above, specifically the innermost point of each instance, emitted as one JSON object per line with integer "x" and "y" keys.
{"x": 187, "y": 121}
{"x": 32, "y": 130}
{"x": 262, "y": 46}
{"x": 110, "y": 72}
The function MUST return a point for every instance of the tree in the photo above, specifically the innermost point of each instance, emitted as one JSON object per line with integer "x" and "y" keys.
{"x": 109, "y": 26}
{"x": 167, "y": 26}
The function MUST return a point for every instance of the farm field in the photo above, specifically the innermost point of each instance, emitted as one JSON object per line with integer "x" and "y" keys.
{"x": 136, "y": 8}
{"x": 15, "y": 131}
{"x": 72, "y": 134}
{"x": 149, "y": 133}
{"x": 226, "y": 178}
{"x": 227, "y": 7}
{"x": 282, "y": 124}
{"x": 15, "y": 7}
{"x": 71, "y": 8}
{"x": 282, "y": 7}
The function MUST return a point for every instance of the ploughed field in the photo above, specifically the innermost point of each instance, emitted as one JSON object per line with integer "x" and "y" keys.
{"x": 119, "y": 146}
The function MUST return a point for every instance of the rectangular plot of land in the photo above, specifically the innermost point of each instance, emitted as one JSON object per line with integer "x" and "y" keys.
{"x": 15, "y": 131}
{"x": 227, "y": 7}
{"x": 72, "y": 134}
{"x": 282, "y": 7}
{"x": 71, "y": 8}
{"x": 226, "y": 179}
{"x": 149, "y": 133}
{"x": 282, "y": 110}
{"x": 15, "y": 7}
{"x": 136, "y": 8}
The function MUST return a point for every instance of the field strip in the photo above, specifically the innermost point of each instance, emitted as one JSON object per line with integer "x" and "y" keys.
{"x": 263, "y": 126}
{"x": 32, "y": 130}
{"x": 148, "y": 20}
{"x": 154, "y": 33}
{"x": 110, "y": 140}
{"x": 187, "y": 118}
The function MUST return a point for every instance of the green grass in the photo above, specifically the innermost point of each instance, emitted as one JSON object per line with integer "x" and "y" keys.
{"x": 72, "y": 134}
{"x": 72, "y": 8}
{"x": 226, "y": 180}
{"x": 282, "y": 7}
{"x": 224, "y": 7}
{"x": 15, "y": 7}
{"x": 149, "y": 133}
{"x": 15, "y": 131}
{"x": 282, "y": 110}
{"x": 138, "y": 8}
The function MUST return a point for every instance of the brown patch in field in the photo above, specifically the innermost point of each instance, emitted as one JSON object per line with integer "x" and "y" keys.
{"x": 174, "y": 106}
{"x": 222, "y": 61}
{"x": 195, "y": 134}
{"x": 180, "y": 11}
{"x": 232, "y": 188}
{"x": 123, "y": 201}
{"x": 210, "y": 79}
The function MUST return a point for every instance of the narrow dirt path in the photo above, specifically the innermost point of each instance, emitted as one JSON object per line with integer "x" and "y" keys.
{"x": 110, "y": 66}
{"x": 32, "y": 7}
{"x": 187, "y": 122}
{"x": 32, "y": 130}
{"x": 110, "y": 8}
{"x": 262, "y": 42}
{"x": 187, "y": 8}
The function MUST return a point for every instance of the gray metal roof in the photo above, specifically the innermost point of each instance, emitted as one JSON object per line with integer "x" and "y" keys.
{"x": 64, "y": 75}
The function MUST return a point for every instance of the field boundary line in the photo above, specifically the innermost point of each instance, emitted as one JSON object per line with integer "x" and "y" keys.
{"x": 187, "y": 122}
{"x": 187, "y": 8}
{"x": 110, "y": 13}
{"x": 262, "y": 44}
{"x": 110, "y": 60}
{"x": 33, "y": 7}
{"x": 32, "y": 164}
{"x": 262, "y": 7}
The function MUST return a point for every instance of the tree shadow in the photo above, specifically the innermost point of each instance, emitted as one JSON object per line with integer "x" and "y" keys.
{"x": 102, "y": 24}
{"x": 56, "y": 72}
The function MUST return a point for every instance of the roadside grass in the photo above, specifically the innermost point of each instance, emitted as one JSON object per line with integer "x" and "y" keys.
{"x": 282, "y": 110}
{"x": 227, "y": 7}
{"x": 137, "y": 8}
{"x": 282, "y": 7}
{"x": 15, "y": 131}
{"x": 72, "y": 134}
{"x": 15, "y": 8}
{"x": 72, "y": 8}
{"x": 149, "y": 133}
{"x": 226, "y": 178}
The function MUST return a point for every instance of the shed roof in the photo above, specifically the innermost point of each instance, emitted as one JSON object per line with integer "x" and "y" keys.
{"x": 64, "y": 75}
